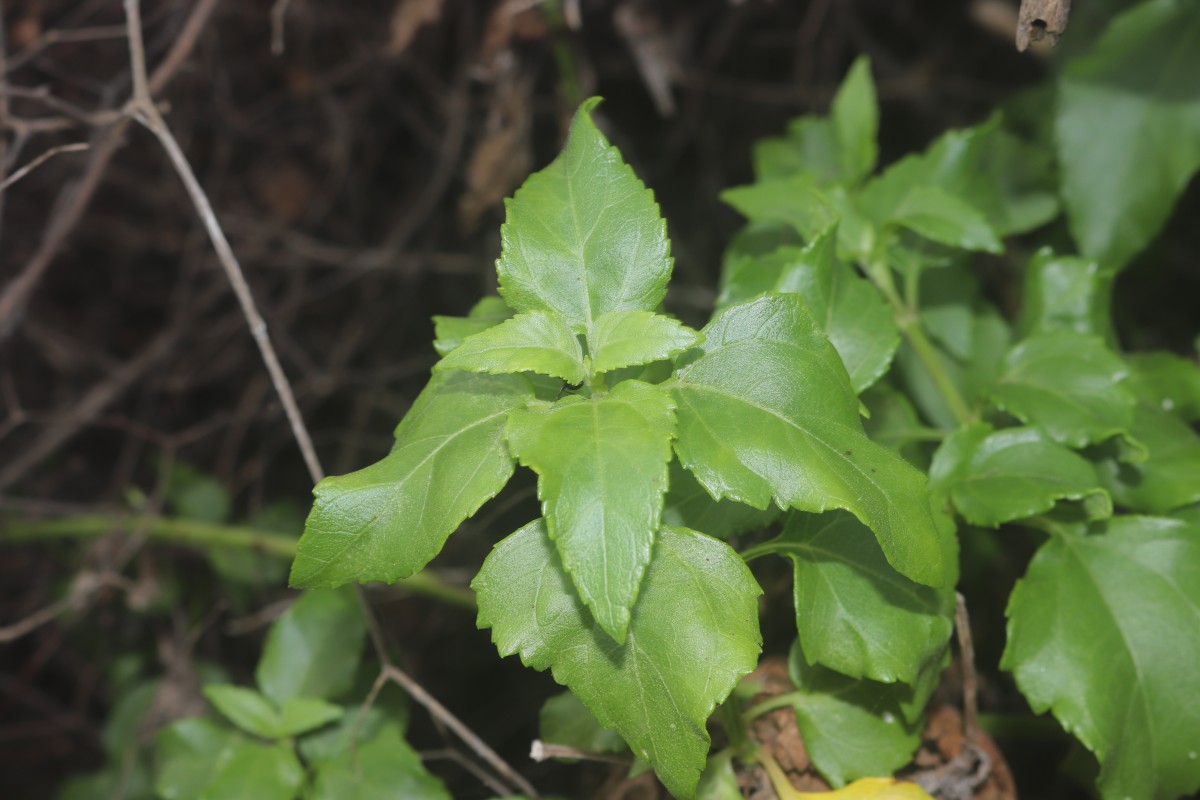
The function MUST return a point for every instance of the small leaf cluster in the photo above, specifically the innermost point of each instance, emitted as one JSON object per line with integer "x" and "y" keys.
{"x": 857, "y": 394}
{"x": 300, "y": 733}
{"x": 1043, "y": 421}
{"x": 576, "y": 373}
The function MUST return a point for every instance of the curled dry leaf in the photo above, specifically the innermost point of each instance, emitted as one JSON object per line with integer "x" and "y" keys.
{"x": 408, "y": 18}
{"x": 503, "y": 156}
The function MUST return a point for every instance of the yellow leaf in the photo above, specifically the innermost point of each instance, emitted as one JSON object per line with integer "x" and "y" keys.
{"x": 870, "y": 789}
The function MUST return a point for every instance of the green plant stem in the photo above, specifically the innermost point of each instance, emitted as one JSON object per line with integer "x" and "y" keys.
{"x": 205, "y": 535}
{"x": 779, "y": 781}
{"x": 784, "y": 700}
{"x": 910, "y": 326}
{"x": 905, "y": 315}
{"x": 735, "y": 726}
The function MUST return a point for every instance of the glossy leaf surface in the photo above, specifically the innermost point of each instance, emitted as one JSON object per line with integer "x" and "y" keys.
{"x": 565, "y": 720}
{"x": 628, "y": 338}
{"x": 847, "y": 307}
{"x": 855, "y": 118}
{"x": 1170, "y": 475}
{"x": 1104, "y": 631}
{"x": 602, "y": 474}
{"x": 388, "y": 520}
{"x": 536, "y": 341}
{"x": 794, "y": 201}
{"x": 689, "y": 505}
{"x": 854, "y": 612}
{"x": 1128, "y": 128}
{"x": 449, "y": 332}
{"x": 1067, "y": 293}
{"x": 693, "y": 635}
{"x": 1168, "y": 382}
{"x": 985, "y": 167}
{"x": 995, "y": 477}
{"x": 584, "y": 237}
{"x": 767, "y": 414}
{"x": 1067, "y": 384}
{"x": 808, "y": 149}
{"x": 314, "y": 649}
{"x": 934, "y": 213}
{"x": 851, "y": 728}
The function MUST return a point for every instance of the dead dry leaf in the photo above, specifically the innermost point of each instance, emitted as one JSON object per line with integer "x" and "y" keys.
{"x": 408, "y": 18}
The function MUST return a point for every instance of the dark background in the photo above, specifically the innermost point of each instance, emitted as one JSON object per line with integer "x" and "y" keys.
{"x": 358, "y": 176}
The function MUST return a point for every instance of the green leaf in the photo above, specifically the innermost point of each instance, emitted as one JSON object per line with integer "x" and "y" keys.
{"x": 851, "y": 728}
{"x": 808, "y": 149}
{"x": 794, "y": 201}
{"x": 257, "y": 772}
{"x": 314, "y": 649}
{"x": 190, "y": 752}
{"x": 972, "y": 340}
{"x": 583, "y": 236}
{"x": 719, "y": 781}
{"x": 128, "y": 782}
{"x": 451, "y": 331}
{"x": 1069, "y": 385}
{"x": 199, "y": 760}
{"x": 245, "y": 708}
{"x": 302, "y": 714}
{"x": 567, "y": 721}
{"x": 602, "y": 467}
{"x": 390, "y": 708}
{"x": 995, "y": 477}
{"x": 936, "y": 214}
{"x": 383, "y": 768}
{"x": 693, "y": 635}
{"x": 848, "y": 308}
{"x": 1167, "y": 381}
{"x": 1067, "y": 293}
{"x": 767, "y": 413}
{"x": 838, "y": 149}
{"x": 629, "y": 338}
{"x": 1170, "y": 475}
{"x": 985, "y": 167}
{"x": 387, "y": 521}
{"x": 893, "y": 421}
{"x": 1104, "y": 630}
{"x": 126, "y": 719}
{"x": 195, "y": 495}
{"x": 854, "y": 613}
{"x": 1128, "y": 128}
{"x": 536, "y": 341}
{"x": 855, "y": 118}
{"x": 689, "y": 505}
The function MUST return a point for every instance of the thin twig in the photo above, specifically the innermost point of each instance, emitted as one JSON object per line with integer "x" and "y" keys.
{"x": 431, "y": 703}
{"x": 73, "y": 200}
{"x": 3, "y": 117}
{"x": 142, "y": 108}
{"x": 42, "y": 159}
{"x": 84, "y": 586}
{"x": 279, "y": 11}
{"x": 543, "y": 751}
{"x": 962, "y": 627}
{"x": 450, "y": 754}
{"x": 144, "y": 111}
{"x": 96, "y": 400}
